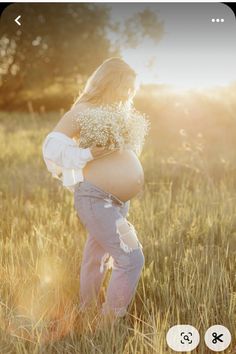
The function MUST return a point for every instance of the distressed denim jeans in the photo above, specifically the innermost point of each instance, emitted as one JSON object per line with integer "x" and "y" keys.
{"x": 111, "y": 243}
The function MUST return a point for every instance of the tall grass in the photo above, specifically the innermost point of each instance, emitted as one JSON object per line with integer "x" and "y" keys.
{"x": 186, "y": 221}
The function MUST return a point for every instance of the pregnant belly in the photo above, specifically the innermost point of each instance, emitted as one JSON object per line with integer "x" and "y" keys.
{"x": 119, "y": 173}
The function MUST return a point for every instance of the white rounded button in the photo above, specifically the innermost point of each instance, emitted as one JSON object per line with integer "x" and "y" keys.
{"x": 217, "y": 338}
{"x": 183, "y": 338}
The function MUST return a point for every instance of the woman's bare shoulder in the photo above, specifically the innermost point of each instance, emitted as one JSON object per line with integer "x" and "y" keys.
{"x": 69, "y": 123}
{"x": 82, "y": 106}
{"x": 74, "y": 116}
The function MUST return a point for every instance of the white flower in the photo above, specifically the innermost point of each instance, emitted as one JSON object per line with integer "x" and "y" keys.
{"x": 183, "y": 132}
{"x": 112, "y": 126}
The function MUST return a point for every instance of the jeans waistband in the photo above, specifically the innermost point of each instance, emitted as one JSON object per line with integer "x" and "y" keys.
{"x": 88, "y": 186}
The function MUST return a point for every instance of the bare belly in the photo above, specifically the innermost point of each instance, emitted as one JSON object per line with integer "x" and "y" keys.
{"x": 119, "y": 173}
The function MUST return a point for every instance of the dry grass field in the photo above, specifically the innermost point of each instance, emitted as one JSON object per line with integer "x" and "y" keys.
{"x": 186, "y": 220}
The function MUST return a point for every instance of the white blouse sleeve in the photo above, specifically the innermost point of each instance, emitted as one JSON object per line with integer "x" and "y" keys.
{"x": 65, "y": 153}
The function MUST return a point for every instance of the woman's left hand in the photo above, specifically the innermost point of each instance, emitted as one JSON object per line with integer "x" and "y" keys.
{"x": 99, "y": 152}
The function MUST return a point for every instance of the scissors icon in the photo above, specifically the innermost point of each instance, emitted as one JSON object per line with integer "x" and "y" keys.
{"x": 217, "y": 337}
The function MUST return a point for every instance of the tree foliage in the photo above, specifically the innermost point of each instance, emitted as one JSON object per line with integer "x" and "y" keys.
{"x": 59, "y": 45}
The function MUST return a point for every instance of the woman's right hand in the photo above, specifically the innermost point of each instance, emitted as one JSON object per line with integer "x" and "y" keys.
{"x": 99, "y": 152}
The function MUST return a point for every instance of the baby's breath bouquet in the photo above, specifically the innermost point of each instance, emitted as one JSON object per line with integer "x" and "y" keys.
{"x": 112, "y": 126}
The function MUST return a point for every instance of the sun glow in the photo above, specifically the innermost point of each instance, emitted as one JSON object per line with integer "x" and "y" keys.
{"x": 193, "y": 53}
{"x": 182, "y": 70}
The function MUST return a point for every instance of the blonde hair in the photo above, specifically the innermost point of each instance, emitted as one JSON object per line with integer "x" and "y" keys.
{"x": 112, "y": 82}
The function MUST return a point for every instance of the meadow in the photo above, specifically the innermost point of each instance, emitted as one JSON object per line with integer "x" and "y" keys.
{"x": 185, "y": 218}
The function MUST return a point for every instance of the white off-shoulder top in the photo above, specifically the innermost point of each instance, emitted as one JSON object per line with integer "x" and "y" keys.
{"x": 65, "y": 159}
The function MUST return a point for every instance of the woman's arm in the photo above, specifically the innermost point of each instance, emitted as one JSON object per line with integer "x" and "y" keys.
{"x": 69, "y": 123}
{"x": 60, "y": 148}
{"x": 63, "y": 151}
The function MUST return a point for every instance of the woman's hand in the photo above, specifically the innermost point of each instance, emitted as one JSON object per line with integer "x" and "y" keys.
{"x": 99, "y": 152}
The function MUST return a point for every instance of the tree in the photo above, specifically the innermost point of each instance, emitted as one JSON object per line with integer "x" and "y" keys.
{"x": 57, "y": 44}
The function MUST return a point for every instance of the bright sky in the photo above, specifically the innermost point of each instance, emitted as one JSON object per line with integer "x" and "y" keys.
{"x": 194, "y": 51}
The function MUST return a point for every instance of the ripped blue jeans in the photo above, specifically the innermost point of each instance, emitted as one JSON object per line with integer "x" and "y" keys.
{"x": 111, "y": 243}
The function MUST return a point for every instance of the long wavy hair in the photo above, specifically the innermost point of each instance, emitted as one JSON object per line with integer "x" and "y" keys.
{"x": 114, "y": 81}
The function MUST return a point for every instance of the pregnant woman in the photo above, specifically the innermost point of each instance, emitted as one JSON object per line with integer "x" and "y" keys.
{"x": 94, "y": 150}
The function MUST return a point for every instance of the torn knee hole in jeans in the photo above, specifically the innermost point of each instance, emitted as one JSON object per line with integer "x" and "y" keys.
{"x": 106, "y": 262}
{"x": 127, "y": 235}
